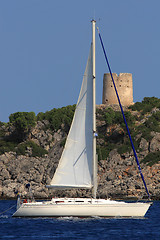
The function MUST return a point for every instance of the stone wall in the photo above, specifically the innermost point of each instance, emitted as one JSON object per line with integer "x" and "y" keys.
{"x": 124, "y": 87}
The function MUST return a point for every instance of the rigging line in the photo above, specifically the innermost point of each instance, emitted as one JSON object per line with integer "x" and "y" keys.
{"x": 123, "y": 115}
{"x": 8, "y": 209}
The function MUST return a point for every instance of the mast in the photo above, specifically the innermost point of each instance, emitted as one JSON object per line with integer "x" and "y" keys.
{"x": 94, "y": 113}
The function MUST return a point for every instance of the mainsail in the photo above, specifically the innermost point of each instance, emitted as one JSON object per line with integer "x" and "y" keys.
{"x": 75, "y": 169}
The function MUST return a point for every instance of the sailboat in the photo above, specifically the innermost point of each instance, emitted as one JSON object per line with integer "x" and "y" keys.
{"x": 78, "y": 164}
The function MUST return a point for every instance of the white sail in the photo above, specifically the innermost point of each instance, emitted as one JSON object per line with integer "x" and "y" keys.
{"x": 75, "y": 166}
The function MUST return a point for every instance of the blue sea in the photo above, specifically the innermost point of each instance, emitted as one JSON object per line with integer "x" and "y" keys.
{"x": 77, "y": 228}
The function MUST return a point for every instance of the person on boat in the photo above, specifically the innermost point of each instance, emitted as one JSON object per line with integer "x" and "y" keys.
{"x": 29, "y": 194}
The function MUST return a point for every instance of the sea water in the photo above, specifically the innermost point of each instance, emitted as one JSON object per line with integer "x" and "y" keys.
{"x": 78, "y": 228}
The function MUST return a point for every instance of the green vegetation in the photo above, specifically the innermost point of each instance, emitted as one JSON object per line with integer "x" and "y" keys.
{"x": 63, "y": 142}
{"x": 146, "y": 105}
{"x": 58, "y": 117}
{"x": 152, "y": 158}
{"x": 151, "y": 123}
{"x": 35, "y": 149}
{"x": 123, "y": 148}
{"x": 20, "y": 149}
{"x": 115, "y": 135}
{"x": 1, "y": 124}
{"x": 112, "y": 117}
{"x": 23, "y": 122}
{"x": 103, "y": 151}
{"x": 109, "y": 116}
{"x": 112, "y": 133}
{"x": 7, "y": 146}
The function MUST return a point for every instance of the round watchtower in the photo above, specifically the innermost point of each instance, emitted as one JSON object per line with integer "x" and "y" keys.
{"x": 124, "y": 87}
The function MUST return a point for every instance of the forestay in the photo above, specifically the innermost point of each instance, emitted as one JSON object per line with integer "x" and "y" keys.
{"x": 75, "y": 166}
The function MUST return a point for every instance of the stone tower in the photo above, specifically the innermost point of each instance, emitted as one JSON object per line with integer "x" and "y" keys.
{"x": 124, "y": 87}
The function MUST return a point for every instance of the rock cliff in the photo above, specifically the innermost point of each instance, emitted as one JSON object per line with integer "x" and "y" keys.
{"x": 118, "y": 175}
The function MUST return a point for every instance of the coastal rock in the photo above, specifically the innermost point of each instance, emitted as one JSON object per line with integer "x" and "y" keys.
{"x": 118, "y": 174}
{"x": 40, "y": 136}
{"x": 4, "y": 174}
{"x": 155, "y": 143}
{"x": 115, "y": 177}
{"x": 144, "y": 145}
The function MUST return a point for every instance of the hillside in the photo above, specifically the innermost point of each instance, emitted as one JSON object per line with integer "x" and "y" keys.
{"x": 31, "y": 146}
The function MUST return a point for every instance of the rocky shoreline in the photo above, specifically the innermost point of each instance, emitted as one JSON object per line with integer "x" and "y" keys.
{"x": 118, "y": 176}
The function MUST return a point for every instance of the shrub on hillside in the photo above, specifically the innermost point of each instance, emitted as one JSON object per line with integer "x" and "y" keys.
{"x": 116, "y": 117}
{"x": 152, "y": 158}
{"x": 23, "y": 122}
{"x": 57, "y": 117}
{"x": 37, "y": 151}
{"x": 7, "y": 146}
{"x": 146, "y": 105}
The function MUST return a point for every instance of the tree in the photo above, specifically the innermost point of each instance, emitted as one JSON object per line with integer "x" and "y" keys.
{"x": 23, "y": 123}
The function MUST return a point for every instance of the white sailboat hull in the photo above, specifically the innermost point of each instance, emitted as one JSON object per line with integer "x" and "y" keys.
{"x": 101, "y": 208}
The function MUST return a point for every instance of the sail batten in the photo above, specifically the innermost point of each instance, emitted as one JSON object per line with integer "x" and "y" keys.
{"x": 75, "y": 169}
